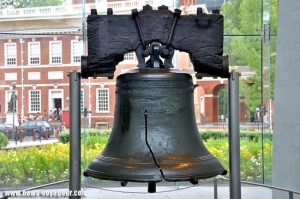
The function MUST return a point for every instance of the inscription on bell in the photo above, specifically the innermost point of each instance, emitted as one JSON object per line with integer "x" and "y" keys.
{"x": 141, "y": 92}
{"x": 157, "y": 108}
{"x": 155, "y": 84}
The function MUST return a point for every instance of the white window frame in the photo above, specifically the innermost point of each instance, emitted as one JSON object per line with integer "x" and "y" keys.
{"x": 58, "y": 93}
{"x": 8, "y": 94}
{"x": 76, "y": 52}
{"x": 98, "y": 100}
{"x": 12, "y": 56}
{"x": 30, "y": 108}
{"x": 57, "y": 54}
{"x": 37, "y": 55}
{"x": 129, "y": 57}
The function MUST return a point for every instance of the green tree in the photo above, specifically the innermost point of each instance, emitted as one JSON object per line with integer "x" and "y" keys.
{"x": 41, "y": 3}
{"x": 242, "y": 42}
{"x": 9, "y": 4}
{"x": 5, "y": 4}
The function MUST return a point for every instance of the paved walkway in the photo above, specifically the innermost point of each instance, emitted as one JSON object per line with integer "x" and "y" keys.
{"x": 28, "y": 141}
{"x": 163, "y": 193}
{"x": 190, "y": 193}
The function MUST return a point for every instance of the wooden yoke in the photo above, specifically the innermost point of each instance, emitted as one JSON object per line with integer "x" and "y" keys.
{"x": 111, "y": 36}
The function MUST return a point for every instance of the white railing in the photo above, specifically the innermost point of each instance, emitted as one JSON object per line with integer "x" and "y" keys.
{"x": 71, "y": 10}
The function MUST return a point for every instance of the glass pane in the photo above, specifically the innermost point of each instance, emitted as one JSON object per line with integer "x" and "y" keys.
{"x": 42, "y": 41}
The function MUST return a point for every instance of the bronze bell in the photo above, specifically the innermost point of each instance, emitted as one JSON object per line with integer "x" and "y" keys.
{"x": 155, "y": 135}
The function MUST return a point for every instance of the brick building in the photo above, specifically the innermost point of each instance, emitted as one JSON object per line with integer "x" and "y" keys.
{"x": 40, "y": 46}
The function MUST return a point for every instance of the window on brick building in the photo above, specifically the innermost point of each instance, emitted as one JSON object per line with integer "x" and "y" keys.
{"x": 102, "y": 100}
{"x": 7, "y": 99}
{"x": 55, "y": 52}
{"x": 10, "y": 54}
{"x": 129, "y": 57}
{"x": 35, "y": 101}
{"x": 34, "y": 53}
{"x": 76, "y": 47}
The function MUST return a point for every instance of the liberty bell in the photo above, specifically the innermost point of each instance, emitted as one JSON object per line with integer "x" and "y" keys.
{"x": 155, "y": 135}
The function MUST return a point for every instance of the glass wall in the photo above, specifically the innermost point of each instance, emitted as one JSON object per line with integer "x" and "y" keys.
{"x": 41, "y": 42}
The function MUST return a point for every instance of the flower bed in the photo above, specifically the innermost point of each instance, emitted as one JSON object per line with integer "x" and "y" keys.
{"x": 50, "y": 163}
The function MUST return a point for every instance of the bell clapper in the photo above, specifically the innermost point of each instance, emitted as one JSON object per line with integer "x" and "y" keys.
{"x": 124, "y": 183}
{"x": 194, "y": 181}
{"x": 151, "y": 187}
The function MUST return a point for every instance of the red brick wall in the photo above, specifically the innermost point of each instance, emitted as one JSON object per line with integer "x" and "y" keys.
{"x": 2, "y": 54}
{"x": 210, "y": 88}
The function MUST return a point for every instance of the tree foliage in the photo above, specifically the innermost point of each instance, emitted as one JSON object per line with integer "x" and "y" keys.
{"x": 242, "y": 42}
{"x": 11, "y": 4}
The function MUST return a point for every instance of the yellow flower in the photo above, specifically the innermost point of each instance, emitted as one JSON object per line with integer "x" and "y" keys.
{"x": 247, "y": 154}
{"x": 267, "y": 146}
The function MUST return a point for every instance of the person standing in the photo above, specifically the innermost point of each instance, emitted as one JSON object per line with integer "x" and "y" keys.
{"x": 55, "y": 115}
{"x": 44, "y": 117}
{"x": 30, "y": 117}
{"x": 50, "y": 119}
{"x": 39, "y": 116}
{"x": 19, "y": 120}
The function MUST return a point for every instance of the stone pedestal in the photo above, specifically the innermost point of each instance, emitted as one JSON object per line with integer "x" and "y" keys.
{"x": 11, "y": 117}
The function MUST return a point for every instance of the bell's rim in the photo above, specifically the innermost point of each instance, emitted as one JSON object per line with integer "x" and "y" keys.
{"x": 169, "y": 176}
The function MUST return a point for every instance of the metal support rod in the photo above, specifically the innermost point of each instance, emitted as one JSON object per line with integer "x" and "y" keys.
{"x": 75, "y": 160}
{"x": 13, "y": 111}
{"x": 40, "y": 131}
{"x": 216, "y": 188}
{"x": 234, "y": 136}
{"x": 291, "y": 195}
